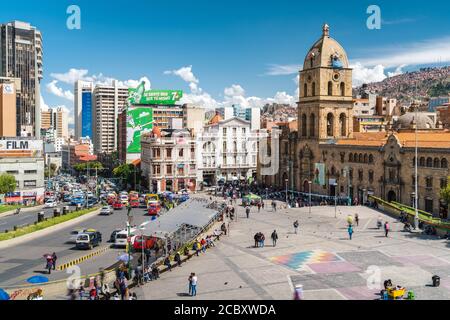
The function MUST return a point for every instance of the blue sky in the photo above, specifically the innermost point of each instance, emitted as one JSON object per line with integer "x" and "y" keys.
{"x": 225, "y": 51}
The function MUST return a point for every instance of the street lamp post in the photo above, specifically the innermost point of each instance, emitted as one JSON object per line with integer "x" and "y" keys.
{"x": 416, "y": 196}
{"x": 286, "y": 180}
{"x": 309, "y": 183}
{"x": 335, "y": 199}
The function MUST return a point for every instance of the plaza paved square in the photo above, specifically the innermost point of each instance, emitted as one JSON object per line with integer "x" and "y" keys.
{"x": 320, "y": 257}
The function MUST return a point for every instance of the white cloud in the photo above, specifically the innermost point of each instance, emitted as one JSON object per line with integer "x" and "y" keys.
{"x": 44, "y": 106}
{"x": 202, "y": 100}
{"x": 362, "y": 74}
{"x": 59, "y": 92}
{"x": 234, "y": 90}
{"x": 417, "y": 53}
{"x": 398, "y": 71}
{"x": 184, "y": 73}
{"x": 71, "y": 76}
{"x": 280, "y": 70}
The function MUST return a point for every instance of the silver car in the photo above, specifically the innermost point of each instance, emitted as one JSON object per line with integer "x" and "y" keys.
{"x": 106, "y": 211}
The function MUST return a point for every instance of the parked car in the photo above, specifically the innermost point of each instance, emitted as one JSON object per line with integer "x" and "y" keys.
{"x": 106, "y": 211}
{"x": 88, "y": 240}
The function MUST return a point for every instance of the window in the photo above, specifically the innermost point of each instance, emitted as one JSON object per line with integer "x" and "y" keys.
{"x": 169, "y": 153}
{"x": 429, "y": 162}
{"x": 370, "y": 158}
{"x": 342, "y": 157}
{"x": 30, "y": 171}
{"x": 343, "y": 124}
{"x": 169, "y": 169}
{"x": 370, "y": 176}
{"x": 413, "y": 180}
{"x": 350, "y": 157}
{"x": 224, "y": 132}
{"x": 342, "y": 87}
{"x": 181, "y": 153}
{"x": 443, "y": 183}
{"x": 360, "y": 175}
{"x": 330, "y": 124}
{"x": 391, "y": 175}
{"x": 330, "y": 88}
{"x": 312, "y": 125}
{"x": 234, "y": 132}
{"x": 444, "y": 163}
{"x": 313, "y": 89}
{"x": 234, "y": 146}
{"x": 243, "y": 131}
{"x": 436, "y": 163}
{"x": 224, "y": 146}
{"x": 12, "y": 172}
{"x": 305, "y": 90}
{"x": 429, "y": 182}
{"x": 304, "y": 125}
{"x": 360, "y": 158}
{"x": 29, "y": 183}
{"x": 422, "y": 162}
{"x": 180, "y": 170}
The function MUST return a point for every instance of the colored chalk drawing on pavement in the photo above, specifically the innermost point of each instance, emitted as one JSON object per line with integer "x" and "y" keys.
{"x": 297, "y": 261}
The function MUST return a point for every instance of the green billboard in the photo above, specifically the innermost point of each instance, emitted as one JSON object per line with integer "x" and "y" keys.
{"x": 139, "y": 121}
{"x": 163, "y": 97}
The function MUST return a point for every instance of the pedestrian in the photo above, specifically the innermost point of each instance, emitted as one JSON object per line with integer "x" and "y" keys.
{"x": 295, "y": 226}
{"x": 155, "y": 272}
{"x": 49, "y": 265}
{"x": 194, "y": 284}
{"x": 148, "y": 254}
{"x": 167, "y": 263}
{"x": 256, "y": 237}
{"x": 386, "y": 229}
{"x": 247, "y": 211}
{"x": 178, "y": 259}
{"x": 123, "y": 286}
{"x": 223, "y": 227}
{"x": 274, "y": 206}
{"x": 262, "y": 204}
{"x": 357, "y": 219}
{"x": 190, "y": 283}
{"x": 350, "y": 231}
{"x": 262, "y": 238}
{"x": 259, "y": 207}
{"x": 54, "y": 257}
{"x": 349, "y": 220}
{"x": 274, "y": 237}
{"x": 203, "y": 244}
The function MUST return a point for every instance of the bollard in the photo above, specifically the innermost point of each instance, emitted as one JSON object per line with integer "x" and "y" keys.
{"x": 56, "y": 212}
{"x": 40, "y": 216}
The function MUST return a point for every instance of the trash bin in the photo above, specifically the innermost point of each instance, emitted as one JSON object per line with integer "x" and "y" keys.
{"x": 436, "y": 281}
{"x": 65, "y": 210}
{"x": 78, "y": 207}
{"x": 56, "y": 212}
{"x": 41, "y": 216}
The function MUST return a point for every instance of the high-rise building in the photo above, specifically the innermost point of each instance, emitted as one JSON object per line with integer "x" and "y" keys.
{"x": 55, "y": 119}
{"x": 83, "y": 109}
{"x": 21, "y": 57}
{"x": 108, "y": 102}
{"x": 8, "y": 93}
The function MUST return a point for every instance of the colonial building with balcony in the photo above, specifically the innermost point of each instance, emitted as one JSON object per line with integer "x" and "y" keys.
{"x": 168, "y": 160}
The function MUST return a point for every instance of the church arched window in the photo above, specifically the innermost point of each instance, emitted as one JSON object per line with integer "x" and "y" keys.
{"x": 342, "y": 87}
{"x": 312, "y": 125}
{"x": 330, "y": 88}
{"x": 313, "y": 89}
{"x": 304, "y": 125}
{"x": 305, "y": 90}
{"x": 330, "y": 125}
{"x": 343, "y": 125}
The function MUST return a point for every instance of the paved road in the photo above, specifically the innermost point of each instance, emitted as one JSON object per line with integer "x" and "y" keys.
{"x": 25, "y": 260}
{"x": 23, "y": 218}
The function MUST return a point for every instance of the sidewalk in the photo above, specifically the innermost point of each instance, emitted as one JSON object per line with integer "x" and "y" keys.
{"x": 320, "y": 257}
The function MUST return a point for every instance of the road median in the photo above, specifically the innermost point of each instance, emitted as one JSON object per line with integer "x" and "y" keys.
{"x": 45, "y": 227}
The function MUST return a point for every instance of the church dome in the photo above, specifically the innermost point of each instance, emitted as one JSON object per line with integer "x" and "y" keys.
{"x": 407, "y": 121}
{"x": 326, "y": 52}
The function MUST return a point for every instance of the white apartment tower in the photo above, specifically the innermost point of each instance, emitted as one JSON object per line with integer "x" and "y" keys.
{"x": 108, "y": 102}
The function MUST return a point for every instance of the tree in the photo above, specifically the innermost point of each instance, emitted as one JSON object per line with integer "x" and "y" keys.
{"x": 128, "y": 173}
{"x": 91, "y": 165}
{"x": 445, "y": 195}
{"x": 7, "y": 183}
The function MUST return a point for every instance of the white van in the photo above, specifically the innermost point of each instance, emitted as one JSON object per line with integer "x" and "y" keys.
{"x": 122, "y": 236}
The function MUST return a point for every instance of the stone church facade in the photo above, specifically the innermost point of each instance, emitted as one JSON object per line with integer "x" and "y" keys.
{"x": 326, "y": 152}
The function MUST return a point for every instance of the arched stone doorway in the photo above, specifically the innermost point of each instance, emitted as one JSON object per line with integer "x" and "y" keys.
{"x": 391, "y": 196}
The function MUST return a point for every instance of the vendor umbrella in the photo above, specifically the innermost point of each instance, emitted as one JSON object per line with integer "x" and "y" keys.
{"x": 124, "y": 257}
{"x": 4, "y": 295}
{"x": 37, "y": 279}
